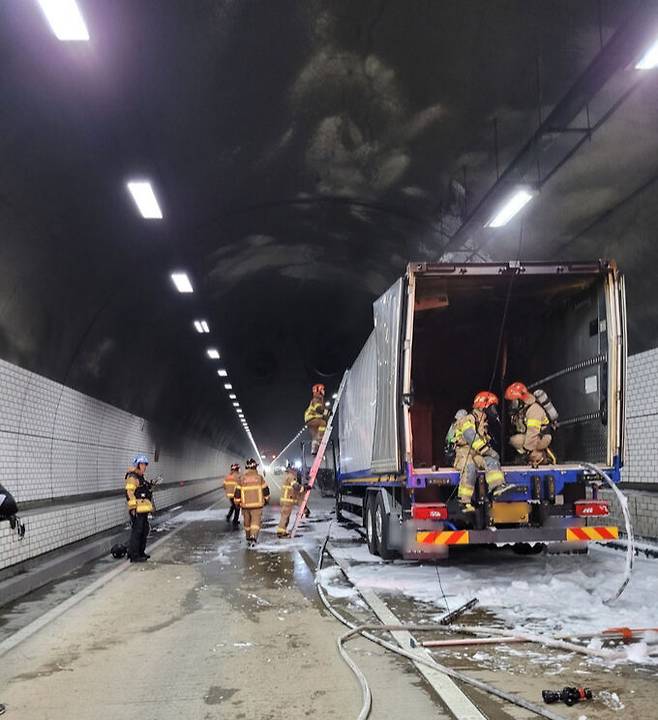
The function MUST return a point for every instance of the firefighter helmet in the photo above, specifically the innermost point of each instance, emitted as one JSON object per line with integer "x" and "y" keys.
{"x": 318, "y": 389}
{"x": 138, "y": 459}
{"x": 251, "y": 464}
{"x": 485, "y": 399}
{"x": 518, "y": 391}
{"x": 118, "y": 551}
{"x": 235, "y": 467}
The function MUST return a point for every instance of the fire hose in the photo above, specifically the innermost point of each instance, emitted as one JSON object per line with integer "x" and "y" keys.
{"x": 630, "y": 547}
{"x": 364, "y": 631}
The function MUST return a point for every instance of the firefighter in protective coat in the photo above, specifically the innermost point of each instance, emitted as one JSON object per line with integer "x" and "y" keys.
{"x": 139, "y": 494}
{"x": 291, "y": 494}
{"x": 532, "y": 426}
{"x": 252, "y": 494}
{"x": 231, "y": 481}
{"x": 473, "y": 450}
{"x": 315, "y": 417}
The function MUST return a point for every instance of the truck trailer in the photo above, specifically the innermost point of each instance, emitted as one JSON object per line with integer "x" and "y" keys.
{"x": 442, "y": 333}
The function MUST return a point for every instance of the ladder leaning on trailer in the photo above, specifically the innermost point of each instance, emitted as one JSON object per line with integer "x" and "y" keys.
{"x": 320, "y": 456}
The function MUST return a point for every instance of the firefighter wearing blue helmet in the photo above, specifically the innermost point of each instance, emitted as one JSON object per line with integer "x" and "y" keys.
{"x": 139, "y": 495}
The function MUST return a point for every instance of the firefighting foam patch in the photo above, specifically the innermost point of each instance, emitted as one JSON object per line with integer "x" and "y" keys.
{"x": 592, "y": 533}
{"x": 443, "y": 537}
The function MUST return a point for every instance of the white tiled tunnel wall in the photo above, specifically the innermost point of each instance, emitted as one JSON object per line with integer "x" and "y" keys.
{"x": 57, "y": 443}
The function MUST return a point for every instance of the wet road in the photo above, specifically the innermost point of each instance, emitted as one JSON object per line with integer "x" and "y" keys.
{"x": 207, "y": 629}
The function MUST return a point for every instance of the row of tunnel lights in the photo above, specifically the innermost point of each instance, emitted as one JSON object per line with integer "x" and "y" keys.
{"x": 68, "y": 24}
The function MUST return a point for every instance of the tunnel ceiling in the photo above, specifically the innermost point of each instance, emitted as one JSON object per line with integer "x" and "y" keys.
{"x": 302, "y": 153}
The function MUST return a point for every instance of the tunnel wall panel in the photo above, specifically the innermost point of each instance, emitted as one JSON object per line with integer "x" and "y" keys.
{"x": 57, "y": 444}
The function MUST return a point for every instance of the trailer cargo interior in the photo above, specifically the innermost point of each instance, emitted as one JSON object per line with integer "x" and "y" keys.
{"x": 441, "y": 334}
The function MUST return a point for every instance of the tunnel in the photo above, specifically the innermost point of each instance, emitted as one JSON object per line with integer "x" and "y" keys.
{"x": 210, "y": 207}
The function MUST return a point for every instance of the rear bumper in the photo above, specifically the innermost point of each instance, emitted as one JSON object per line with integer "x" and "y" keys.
{"x": 603, "y": 533}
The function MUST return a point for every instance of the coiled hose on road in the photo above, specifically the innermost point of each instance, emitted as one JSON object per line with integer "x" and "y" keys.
{"x": 363, "y": 630}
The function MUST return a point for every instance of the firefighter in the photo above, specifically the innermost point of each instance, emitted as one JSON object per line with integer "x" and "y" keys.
{"x": 532, "y": 427}
{"x": 315, "y": 417}
{"x": 139, "y": 494}
{"x": 230, "y": 483}
{"x": 252, "y": 494}
{"x": 473, "y": 450}
{"x": 291, "y": 495}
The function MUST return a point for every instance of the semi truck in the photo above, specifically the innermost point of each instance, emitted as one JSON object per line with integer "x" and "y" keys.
{"x": 445, "y": 331}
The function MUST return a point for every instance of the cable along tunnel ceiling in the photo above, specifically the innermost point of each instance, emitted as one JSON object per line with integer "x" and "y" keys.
{"x": 302, "y": 153}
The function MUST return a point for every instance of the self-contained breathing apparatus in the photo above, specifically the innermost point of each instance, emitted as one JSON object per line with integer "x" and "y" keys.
{"x": 9, "y": 510}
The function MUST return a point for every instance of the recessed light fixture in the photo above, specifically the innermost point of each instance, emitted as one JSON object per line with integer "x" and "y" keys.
{"x": 511, "y": 207}
{"x": 649, "y": 59}
{"x": 235, "y": 404}
{"x": 213, "y": 354}
{"x": 182, "y": 282}
{"x": 145, "y": 199}
{"x": 201, "y": 326}
{"x": 65, "y": 19}
{"x": 233, "y": 396}
{"x": 228, "y": 386}
{"x": 222, "y": 373}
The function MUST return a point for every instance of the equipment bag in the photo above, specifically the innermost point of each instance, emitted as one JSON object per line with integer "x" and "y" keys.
{"x": 543, "y": 399}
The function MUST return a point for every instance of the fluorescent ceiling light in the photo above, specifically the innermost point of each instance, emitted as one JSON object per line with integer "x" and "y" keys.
{"x": 213, "y": 354}
{"x": 201, "y": 326}
{"x": 235, "y": 404}
{"x": 649, "y": 59}
{"x": 65, "y": 19}
{"x": 145, "y": 200}
{"x": 334, "y": 396}
{"x": 233, "y": 396}
{"x": 228, "y": 386}
{"x": 511, "y": 207}
{"x": 222, "y": 373}
{"x": 327, "y": 404}
{"x": 182, "y": 282}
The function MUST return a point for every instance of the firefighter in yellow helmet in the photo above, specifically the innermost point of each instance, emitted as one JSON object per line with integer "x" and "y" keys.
{"x": 230, "y": 483}
{"x": 532, "y": 426}
{"x": 316, "y": 416}
{"x": 252, "y": 494}
{"x": 291, "y": 495}
{"x": 139, "y": 495}
{"x": 473, "y": 450}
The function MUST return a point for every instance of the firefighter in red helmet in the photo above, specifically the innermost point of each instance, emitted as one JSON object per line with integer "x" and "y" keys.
{"x": 473, "y": 449}
{"x": 316, "y": 416}
{"x": 532, "y": 427}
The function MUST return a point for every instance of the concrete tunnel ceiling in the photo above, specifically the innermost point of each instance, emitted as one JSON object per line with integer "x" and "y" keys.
{"x": 302, "y": 153}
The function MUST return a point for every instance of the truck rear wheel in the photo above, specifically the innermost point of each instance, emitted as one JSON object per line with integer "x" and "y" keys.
{"x": 370, "y": 526}
{"x": 382, "y": 530}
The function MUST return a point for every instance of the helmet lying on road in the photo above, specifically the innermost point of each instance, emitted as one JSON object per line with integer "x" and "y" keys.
{"x": 118, "y": 551}
{"x": 140, "y": 459}
{"x": 485, "y": 399}
{"x": 518, "y": 391}
{"x": 251, "y": 464}
{"x": 318, "y": 389}
{"x": 235, "y": 467}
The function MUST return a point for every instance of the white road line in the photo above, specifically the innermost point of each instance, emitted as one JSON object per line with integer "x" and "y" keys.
{"x": 18, "y": 637}
{"x": 455, "y": 700}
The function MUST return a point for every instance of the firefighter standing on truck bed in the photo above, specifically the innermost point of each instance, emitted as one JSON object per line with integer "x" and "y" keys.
{"x": 315, "y": 417}
{"x": 252, "y": 494}
{"x": 473, "y": 450}
{"x": 291, "y": 495}
{"x": 231, "y": 481}
{"x": 139, "y": 494}
{"x": 531, "y": 424}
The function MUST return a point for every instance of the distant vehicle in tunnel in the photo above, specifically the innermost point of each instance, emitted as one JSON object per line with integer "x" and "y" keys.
{"x": 442, "y": 332}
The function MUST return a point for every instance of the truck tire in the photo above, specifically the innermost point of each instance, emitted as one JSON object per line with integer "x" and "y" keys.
{"x": 528, "y": 549}
{"x": 371, "y": 535}
{"x": 386, "y": 552}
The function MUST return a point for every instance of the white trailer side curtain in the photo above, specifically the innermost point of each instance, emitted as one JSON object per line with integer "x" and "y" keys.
{"x": 357, "y": 411}
{"x": 388, "y": 319}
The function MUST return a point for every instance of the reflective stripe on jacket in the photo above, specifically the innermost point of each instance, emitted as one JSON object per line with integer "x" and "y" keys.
{"x": 315, "y": 411}
{"x": 290, "y": 489}
{"x": 471, "y": 431}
